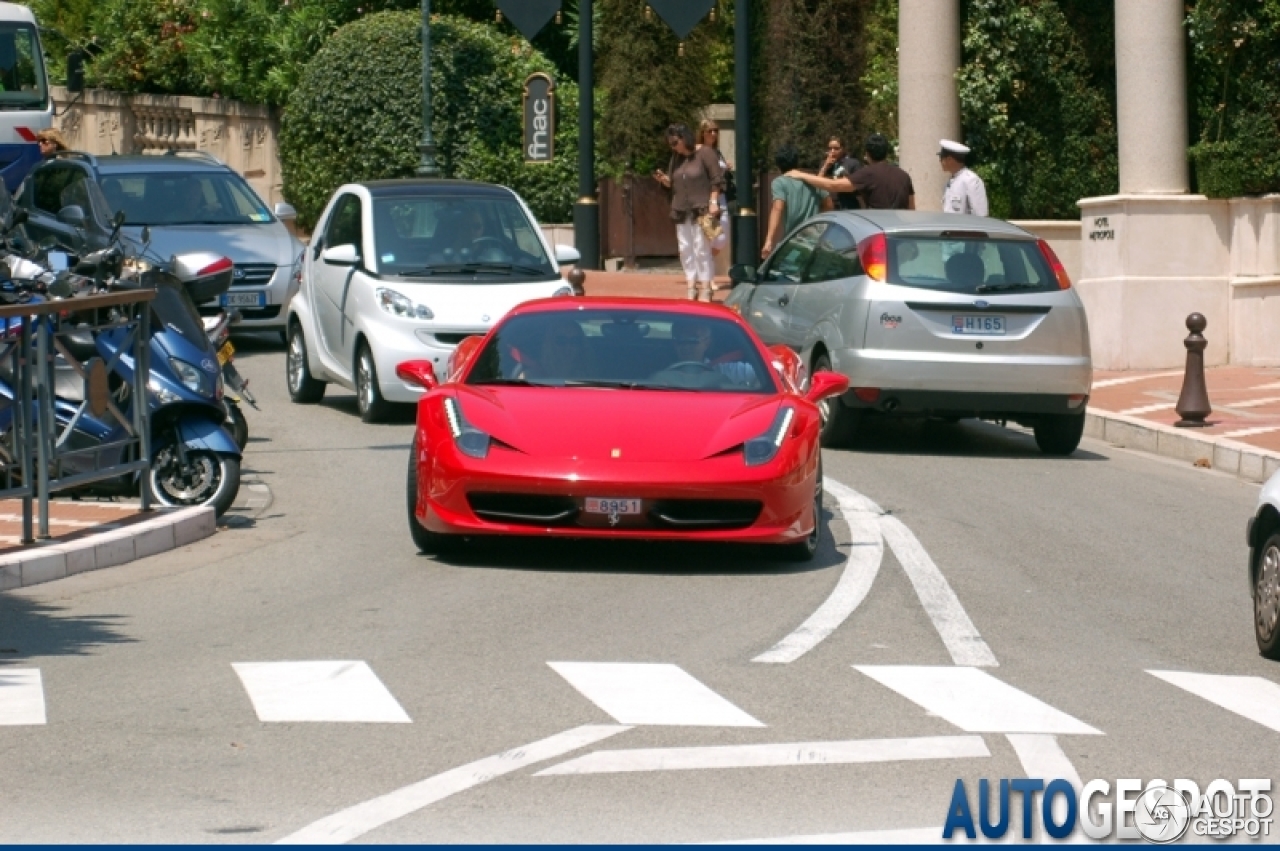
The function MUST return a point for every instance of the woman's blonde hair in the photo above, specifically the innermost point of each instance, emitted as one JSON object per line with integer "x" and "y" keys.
{"x": 52, "y": 135}
{"x": 705, "y": 125}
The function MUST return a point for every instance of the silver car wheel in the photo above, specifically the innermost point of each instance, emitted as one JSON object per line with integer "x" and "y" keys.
{"x": 364, "y": 381}
{"x": 1266, "y": 597}
{"x": 296, "y": 358}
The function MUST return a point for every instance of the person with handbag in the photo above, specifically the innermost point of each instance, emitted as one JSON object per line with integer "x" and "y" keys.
{"x": 696, "y": 180}
{"x": 709, "y": 135}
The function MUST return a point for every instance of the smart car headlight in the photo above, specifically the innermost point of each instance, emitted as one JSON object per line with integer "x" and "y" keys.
{"x": 470, "y": 440}
{"x": 763, "y": 449}
{"x": 399, "y": 305}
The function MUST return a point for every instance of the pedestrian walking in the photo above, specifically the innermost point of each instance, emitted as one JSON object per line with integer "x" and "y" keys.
{"x": 840, "y": 163}
{"x": 50, "y": 142}
{"x": 880, "y": 185}
{"x": 696, "y": 180}
{"x": 965, "y": 192}
{"x": 709, "y": 136}
{"x": 793, "y": 200}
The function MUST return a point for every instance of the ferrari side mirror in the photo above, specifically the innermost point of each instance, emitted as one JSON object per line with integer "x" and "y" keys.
{"x": 825, "y": 384}
{"x": 419, "y": 372}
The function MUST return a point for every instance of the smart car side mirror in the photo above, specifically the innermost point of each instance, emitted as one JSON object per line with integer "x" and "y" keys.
{"x": 285, "y": 212}
{"x": 567, "y": 254}
{"x": 72, "y": 216}
{"x": 826, "y": 384}
{"x": 341, "y": 255}
{"x": 419, "y": 372}
{"x": 741, "y": 274}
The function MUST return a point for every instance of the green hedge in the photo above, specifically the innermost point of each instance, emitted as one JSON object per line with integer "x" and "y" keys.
{"x": 1236, "y": 84}
{"x": 356, "y": 113}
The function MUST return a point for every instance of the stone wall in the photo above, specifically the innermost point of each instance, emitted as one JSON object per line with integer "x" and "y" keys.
{"x": 242, "y": 135}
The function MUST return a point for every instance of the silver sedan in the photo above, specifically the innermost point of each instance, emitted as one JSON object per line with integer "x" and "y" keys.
{"x": 928, "y": 314}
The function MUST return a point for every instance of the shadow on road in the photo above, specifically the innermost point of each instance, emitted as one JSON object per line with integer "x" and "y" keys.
{"x": 968, "y": 438}
{"x": 32, "y": 628}
{"x": 658, "y": 558}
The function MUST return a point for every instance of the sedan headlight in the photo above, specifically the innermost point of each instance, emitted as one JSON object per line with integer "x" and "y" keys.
{"x": 763, "y": 449}
{"x": 470, "y": 440}
{"x": 190, "y": 376}
{"x": 398, "y": 305}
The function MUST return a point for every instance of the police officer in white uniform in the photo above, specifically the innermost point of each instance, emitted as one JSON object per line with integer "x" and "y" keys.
{"x": 965, "y": 192}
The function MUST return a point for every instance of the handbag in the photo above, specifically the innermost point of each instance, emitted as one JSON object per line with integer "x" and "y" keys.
{"x": 710, "y": 226}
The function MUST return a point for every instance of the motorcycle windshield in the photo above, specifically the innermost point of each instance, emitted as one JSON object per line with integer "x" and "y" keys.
{"x": 173, "y": 310}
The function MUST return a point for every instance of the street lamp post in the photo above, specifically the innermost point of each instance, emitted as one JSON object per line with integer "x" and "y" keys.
{"x": 586, "y": 212}
{"x": 427, "y": 165}
{"x": 746, "y": 235}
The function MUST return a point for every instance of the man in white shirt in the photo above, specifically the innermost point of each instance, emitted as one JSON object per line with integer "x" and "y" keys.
{"x": 965, "y": 192}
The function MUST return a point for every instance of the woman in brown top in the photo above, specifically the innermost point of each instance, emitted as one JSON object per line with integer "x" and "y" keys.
{"x": 696, "y": 180}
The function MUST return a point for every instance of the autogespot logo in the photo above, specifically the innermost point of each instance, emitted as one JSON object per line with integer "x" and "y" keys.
{"x": 1158, "y": 812}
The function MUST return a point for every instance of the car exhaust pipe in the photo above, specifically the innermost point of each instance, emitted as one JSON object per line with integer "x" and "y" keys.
{"x": 891, "y": 405}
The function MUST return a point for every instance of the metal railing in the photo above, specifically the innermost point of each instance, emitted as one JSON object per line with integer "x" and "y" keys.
{"x": 38, "y": 455}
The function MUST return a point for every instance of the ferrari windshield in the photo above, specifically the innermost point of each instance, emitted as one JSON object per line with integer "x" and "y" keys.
{"x": 623, "y": 349}
{"x": 485, "y": 238}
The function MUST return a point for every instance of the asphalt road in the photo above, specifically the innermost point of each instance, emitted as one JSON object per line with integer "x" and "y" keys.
{"x": 960, "y": 545}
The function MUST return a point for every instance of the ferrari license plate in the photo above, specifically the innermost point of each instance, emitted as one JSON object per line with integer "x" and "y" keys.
{"x": 226, "y": 352}
{"x": 612, "y": 507}
{"x": 981, "y": 324}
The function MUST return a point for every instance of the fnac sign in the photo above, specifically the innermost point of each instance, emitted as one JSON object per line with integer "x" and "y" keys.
{"x": 539, "y": 118}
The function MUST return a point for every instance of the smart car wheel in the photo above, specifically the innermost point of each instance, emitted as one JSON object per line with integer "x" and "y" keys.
{"x": 839, "y": 422}
{"x": 1059, "y": 434}
{"x": 428, "y": 542}
{"x": 373, "y": 408}
{"x": 303, "y": 389}
{"x": 1266, "y": 598}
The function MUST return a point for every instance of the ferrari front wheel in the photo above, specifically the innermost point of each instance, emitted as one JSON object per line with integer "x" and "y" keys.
{"x": 427, "y": 542}
{"x": 805, "y": 550}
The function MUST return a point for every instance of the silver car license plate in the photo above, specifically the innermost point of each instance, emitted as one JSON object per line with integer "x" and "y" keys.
{"x": 981, "y": 323}
{"x": 243, "y": 299}
{"x": 612, "y": 507}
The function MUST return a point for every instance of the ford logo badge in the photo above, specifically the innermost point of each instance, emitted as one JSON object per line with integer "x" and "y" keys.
{"x": 980, "y": 303}
{"x": 239, "y": 273}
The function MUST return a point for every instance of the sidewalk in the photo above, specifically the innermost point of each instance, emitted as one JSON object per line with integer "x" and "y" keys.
{"x": 1133, "y": 409}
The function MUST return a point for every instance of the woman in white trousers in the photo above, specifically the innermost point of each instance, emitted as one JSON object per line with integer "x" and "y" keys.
{"x": 696, "y": 180}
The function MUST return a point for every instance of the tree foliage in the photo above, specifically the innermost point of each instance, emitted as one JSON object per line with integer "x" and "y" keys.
{"x": 1236, "y": 85}
{"x": 357, "y": 113}
{"x": 1040, "y": 123}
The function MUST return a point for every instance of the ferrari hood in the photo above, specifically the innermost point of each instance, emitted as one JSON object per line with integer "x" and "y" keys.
{"x": 626, "y": 425}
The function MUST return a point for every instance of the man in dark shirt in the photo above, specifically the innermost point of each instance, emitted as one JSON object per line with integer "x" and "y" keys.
{"x": 880, "y": 184}
{"x": 840, "y": 163}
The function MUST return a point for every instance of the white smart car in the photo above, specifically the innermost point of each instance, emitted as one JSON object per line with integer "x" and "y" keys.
{"x": 1263, "y": 536}
{"x": 404, "y": 270}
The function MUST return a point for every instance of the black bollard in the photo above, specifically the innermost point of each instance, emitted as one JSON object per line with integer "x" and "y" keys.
{"x": 1193, "y": 402}
{"x": 577, "y": 280}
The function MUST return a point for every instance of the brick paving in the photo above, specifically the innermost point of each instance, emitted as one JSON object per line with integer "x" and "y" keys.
{"x": 658, "y": 283}
{"x": 69, "y": 520}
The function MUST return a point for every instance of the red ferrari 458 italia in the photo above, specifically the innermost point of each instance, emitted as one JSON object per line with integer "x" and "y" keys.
{"x": 619, "y": 418}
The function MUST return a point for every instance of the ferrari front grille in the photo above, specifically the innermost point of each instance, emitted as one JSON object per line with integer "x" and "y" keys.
{"x": 533, "y": 509}
{"x": 705, "y": 513}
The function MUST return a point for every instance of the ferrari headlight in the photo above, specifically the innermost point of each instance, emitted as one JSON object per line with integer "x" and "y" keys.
{"x": 398, "y": 305}
{"x": 190, "y": 376}
{"x": 470, "y": 440}
{"x": 763, "y": 449}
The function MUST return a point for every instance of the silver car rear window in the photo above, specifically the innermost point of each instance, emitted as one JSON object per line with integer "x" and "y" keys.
{"x": 968, "y": 265}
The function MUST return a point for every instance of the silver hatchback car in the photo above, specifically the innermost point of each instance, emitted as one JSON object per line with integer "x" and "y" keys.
{"x": 928, "y": 314}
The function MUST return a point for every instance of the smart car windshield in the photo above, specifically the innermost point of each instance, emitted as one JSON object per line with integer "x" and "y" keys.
{"x": 623, "y": 349}
{"x": 484, "y": 238}
{"x": 969, "y": 265}
{"x": 184, "y": 198}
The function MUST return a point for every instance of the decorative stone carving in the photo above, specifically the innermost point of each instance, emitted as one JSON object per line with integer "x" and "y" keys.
{"x": 164, "y": 128}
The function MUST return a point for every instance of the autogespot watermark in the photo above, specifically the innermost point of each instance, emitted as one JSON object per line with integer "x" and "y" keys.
{"x": 1159, "y": 812}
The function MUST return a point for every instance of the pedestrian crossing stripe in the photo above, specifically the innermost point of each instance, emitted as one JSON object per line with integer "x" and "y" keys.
{"x": 318, "y": 691}
{"x": 21, "y": 697}
{"x": 657, "y": 694}
{"x": 1255, "y": 698}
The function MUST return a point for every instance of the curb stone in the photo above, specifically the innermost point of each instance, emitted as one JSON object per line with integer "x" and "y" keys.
{"x": 1249, "y": 463}
{"x": 167, "y": 531}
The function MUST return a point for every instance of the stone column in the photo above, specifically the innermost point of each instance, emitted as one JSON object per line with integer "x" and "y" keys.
{"x": 928, "y": 102}
{"x": 1151, "y": 96}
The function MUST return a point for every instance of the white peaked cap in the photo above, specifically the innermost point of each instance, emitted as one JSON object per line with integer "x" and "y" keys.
{"x": 950, "y": 147}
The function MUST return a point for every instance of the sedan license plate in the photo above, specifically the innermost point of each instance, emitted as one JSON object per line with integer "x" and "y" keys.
{"x": 243, "y": 299}
{"x": 226, "y": 352}
{"x": 612, "y": 507}
{"x": 984, "y": 324}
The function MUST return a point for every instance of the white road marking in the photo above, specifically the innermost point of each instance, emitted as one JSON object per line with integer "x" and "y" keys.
{"x": 1150, "y": 409}
{"x": 974, "y": 700}
{"x": 358, "y": 820}
{"x": 1041, "y": 756}
{"x": 1254, "y": 698}
{"x": 652, "y": 694}
{"x": 1248, "y": 432}
{"x": 772, "y": 755}
{"x": 21, "y": 697}
{"x": 866, "y": 552}
{"x": 318, "y": 691}
{"x": 1130, "y": 379}
{"x": 940, "y": 602}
